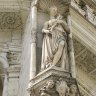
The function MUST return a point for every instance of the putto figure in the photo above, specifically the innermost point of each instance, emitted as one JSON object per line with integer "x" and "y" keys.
{"x": 49, "y": 89}
{"x": 54, "y": 48}
{"x": 73, "y": 90}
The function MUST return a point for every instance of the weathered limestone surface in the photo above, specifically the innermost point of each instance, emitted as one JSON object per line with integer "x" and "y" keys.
{"x": 83, "y": 30}
{"x": 53, "y": 81}
{"x": 87, "y": 83}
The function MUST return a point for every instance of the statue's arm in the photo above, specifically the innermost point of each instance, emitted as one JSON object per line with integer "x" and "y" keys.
{"x": 45, "y": 28}
{"x": 65, "y": 26}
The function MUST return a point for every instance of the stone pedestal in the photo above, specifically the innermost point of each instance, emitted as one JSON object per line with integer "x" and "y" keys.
{"x": 63, "y": 83}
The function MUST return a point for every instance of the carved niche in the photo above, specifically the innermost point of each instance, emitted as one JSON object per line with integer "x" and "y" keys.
{"x": 58, "y": 9}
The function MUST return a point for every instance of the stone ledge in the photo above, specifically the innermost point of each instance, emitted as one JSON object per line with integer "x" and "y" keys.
{"x": 49, "y": 72}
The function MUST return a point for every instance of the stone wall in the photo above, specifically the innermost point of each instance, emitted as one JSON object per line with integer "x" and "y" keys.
{"x": 10, "y": 45}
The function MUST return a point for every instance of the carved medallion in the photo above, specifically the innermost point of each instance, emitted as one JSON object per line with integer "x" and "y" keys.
{"x": 10, "y": 20}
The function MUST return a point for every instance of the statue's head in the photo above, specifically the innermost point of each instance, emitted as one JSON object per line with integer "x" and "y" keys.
{"x": 53, "y": 11}
{"x": 51, "y": 84}
{"x": 73, "y": 88}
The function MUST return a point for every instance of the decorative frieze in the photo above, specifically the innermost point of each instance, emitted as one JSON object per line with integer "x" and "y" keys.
{"x": 85, "y": 10}
{"x": 55, "y": 84}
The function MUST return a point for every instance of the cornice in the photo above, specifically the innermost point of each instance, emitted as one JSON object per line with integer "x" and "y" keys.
{"x": 13, "y": 69}
{"x": 14, "y": 5}
{"x": 77, "y": 10}
{"x": 83, "y": 31}
{"x": 91, "y": 3}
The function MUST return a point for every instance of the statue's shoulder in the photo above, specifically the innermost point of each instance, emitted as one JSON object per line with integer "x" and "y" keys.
{"x": 46, "y": 23}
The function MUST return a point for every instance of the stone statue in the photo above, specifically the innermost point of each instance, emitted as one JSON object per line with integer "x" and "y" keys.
{"x": 62, "y": 88}
{"x": 73, "y": 90}
{"x": 54, "y": 48}
{"x": 49, "y": 89}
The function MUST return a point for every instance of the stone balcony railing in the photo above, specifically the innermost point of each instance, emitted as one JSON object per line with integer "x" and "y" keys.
{"x": 86, "y": 11}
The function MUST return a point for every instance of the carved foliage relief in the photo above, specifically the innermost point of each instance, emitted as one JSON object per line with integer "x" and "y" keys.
{"x": 58, "y": 88}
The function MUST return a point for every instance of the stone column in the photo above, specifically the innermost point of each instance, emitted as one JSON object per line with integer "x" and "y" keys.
{"x": 71, "y": 50}
{"x": 33, "y": 41}
{"x": 5, "y": 89}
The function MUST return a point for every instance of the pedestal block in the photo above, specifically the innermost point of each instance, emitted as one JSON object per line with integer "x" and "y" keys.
{"x": 53, "y": 81}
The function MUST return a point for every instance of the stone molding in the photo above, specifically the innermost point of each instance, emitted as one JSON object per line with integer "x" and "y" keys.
{"x": 50, "y": 71}
{"x": 86, "y": 11}
{"x": 14, "y": 69}
{"x": 83, "y": 32}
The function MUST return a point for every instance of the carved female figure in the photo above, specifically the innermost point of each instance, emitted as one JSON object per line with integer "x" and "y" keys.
{"x": 54, "y": 49}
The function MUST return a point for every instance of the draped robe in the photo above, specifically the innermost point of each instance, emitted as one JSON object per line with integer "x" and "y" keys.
{"x": 50, "y": 45}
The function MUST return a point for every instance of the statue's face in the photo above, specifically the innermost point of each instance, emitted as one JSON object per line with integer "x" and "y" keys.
{"x": 51, "y": 84}
{"x": 53, "y": 11}
{"x": 73, "y": 88}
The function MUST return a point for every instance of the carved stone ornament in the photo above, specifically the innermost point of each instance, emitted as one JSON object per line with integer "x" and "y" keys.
{"x": 62, "y": 5}
{"x": 53, "y": 82}
{"x": 58, "y": 88}
{"x": 62, "y": 88}
{"x": 49, "y": 89}
{"x": 10, "y": 20}
{"x": 73, "y": 90}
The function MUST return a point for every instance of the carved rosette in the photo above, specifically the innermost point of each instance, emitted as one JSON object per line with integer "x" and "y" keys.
{"x": 10, "y": 20}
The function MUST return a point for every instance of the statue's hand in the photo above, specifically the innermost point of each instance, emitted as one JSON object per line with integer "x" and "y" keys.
{"x": 45, "y": 31}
